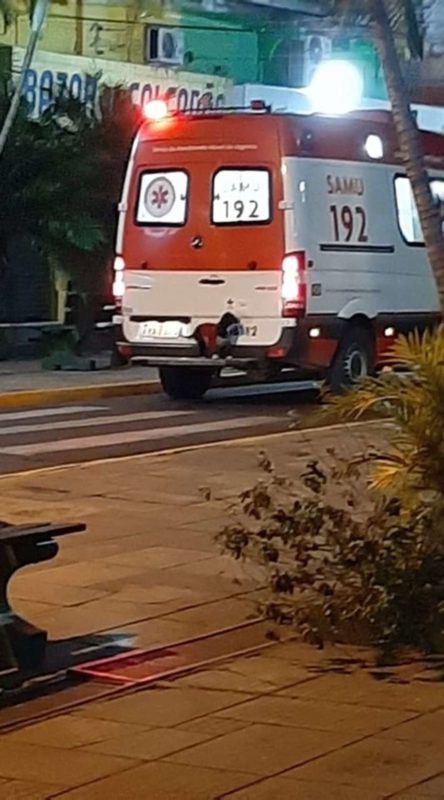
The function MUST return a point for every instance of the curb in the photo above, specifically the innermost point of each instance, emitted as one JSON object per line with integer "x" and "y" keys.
{"x": 38, "y": 397}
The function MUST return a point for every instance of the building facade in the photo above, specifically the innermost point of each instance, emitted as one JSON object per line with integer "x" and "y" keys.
{"x": 278, "y": 42}
{"x": 193, "y": 51}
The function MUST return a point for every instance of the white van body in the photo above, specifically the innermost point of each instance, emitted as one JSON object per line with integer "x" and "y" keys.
{"x": 267, "y": 241}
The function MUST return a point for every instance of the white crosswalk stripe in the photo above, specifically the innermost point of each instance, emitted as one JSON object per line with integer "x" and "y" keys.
{"x": 115, "y": 419}
{"x": 258, "y": 390}
{"x": 37, "y": 438}
{"x": 60, "y": 411}
{"x": 129, "y": 437}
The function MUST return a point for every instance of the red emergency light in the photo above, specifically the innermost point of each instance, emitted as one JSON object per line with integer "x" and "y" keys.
{"x": 155, "y": 110}
{"x": 258, "y": 105}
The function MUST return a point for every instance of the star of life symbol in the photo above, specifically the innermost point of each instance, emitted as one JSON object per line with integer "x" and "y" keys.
{"x": 160, "y": 197}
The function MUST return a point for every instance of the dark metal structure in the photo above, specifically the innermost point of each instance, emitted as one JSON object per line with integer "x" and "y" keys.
{"x": 22, "y": 644}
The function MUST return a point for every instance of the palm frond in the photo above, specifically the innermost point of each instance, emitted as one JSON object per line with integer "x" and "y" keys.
{"x": 418, "y": 350}
{"x": 404, "y": 24}
{"x": 402, "y": 17}
{"x": 414, "y": 460}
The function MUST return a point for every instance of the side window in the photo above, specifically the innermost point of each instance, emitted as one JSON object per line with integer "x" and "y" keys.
{"x": 162, "y": 198}
{"x": 408, "y": 217}
{"x": 407, "y": 212}
{"x": 437, "y": 187}
{"x": 241, "y": 197}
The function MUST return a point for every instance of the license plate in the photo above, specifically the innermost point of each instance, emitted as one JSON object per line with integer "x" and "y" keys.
{"x": 171, "y": 329}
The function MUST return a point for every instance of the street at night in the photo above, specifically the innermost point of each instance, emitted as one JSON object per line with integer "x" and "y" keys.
{"x": 71, "y": 433}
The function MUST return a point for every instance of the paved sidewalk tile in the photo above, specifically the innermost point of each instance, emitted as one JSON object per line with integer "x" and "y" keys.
{"x": 164, "y": 707}
{"x": 22, "y": 790}
{"x": 211, "y": 726}
{"x": 427, "y": 729}
{"x": 299, "y": 653}
{"x": 91, "y": 618}
{"x": 218, "y": 615}
{"x": 226, "y": 679}
{"x": 160, "y": 781}
{"x": 67, "y": 768}
{"x": 262, "y": 749}
{"x": 57, "y": 594}
{"x": 417, "y": 794}
{"x": 69, "y": 731}
{"x": 158, "y": 632}
{"x": 390, "y": 766}
{"x": 159, "y": 557}
{"x": 432, "y": 789}
{"x": 284, "y": 789}
{"x": 149, "y": 745}
{"x": 322, "y": 716}
{"x": 365, "y": 690}
{"x": 264, "y": 667}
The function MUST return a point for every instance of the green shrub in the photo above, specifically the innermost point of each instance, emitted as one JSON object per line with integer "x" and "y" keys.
{"x": 337, "y": 572}
{"x": 350, "y": 561}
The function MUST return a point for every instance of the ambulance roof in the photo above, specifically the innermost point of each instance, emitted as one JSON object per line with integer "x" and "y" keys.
{"x": 310, "y": 136}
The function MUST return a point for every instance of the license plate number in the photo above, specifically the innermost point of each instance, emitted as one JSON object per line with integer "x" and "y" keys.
{"x": 171, "y": 329}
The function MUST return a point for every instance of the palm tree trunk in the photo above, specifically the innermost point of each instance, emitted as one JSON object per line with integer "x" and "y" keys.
{"x": 410, "y": 144}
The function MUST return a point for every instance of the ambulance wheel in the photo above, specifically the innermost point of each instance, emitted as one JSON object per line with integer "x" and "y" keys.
{"x": 354, "y": 359}
{"x": 185, "y": 383}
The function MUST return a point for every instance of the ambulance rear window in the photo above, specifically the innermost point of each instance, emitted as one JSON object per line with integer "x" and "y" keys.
{"x": 162, "y": 198}
{"x": 241, "y": 197}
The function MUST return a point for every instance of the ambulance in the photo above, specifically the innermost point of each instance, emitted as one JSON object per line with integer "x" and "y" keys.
{"x": 269, "y": 242}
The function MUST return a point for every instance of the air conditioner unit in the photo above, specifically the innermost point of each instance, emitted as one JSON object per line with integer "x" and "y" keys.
{"x": 164, "y": 45}
{"x": 316, "y": 50}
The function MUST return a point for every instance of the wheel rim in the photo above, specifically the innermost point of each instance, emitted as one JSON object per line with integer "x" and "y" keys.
{"x": 355, "y": 365}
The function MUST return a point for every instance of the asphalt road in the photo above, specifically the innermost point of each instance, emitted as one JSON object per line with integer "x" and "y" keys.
{"x": 43, "y": 437}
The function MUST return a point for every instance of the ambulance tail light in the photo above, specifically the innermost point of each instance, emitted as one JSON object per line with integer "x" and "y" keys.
{"x": 294, "y": 285}
{"x": 119, "y": 282}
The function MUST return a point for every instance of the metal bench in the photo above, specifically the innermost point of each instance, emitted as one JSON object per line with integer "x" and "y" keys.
{"x": 22, "y": 644}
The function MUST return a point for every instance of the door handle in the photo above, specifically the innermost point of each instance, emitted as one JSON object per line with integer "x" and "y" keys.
{"x": 212, "y": 281}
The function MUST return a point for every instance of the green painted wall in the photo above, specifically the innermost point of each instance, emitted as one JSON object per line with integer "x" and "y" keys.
{"x": 221, "y": 49}
{"x": 277, "y": 44}
{"x": 363, "y": 54}
{"x": 247, "y": 48}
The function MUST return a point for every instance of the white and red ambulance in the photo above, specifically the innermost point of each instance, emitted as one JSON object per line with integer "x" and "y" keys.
{"x": 265, "y": 241}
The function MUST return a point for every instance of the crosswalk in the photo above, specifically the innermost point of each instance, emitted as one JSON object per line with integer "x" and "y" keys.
{"x": 64, "y": 434}
{"x": 128, "y": 437}
{"x": 143, "y": 416}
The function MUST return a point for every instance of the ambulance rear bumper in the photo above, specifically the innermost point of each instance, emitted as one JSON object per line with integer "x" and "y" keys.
{"x": 184, "y": 361}
{"x": 240, "y": 357}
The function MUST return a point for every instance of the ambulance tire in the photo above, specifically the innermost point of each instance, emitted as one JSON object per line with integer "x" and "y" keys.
{"x": 354, "y": 359}
{"x": 185, "y": 383}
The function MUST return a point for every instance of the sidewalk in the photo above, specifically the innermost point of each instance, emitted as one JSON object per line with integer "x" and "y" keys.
{"x": 26, "y": 383}
{"x": 290, "y": 723}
